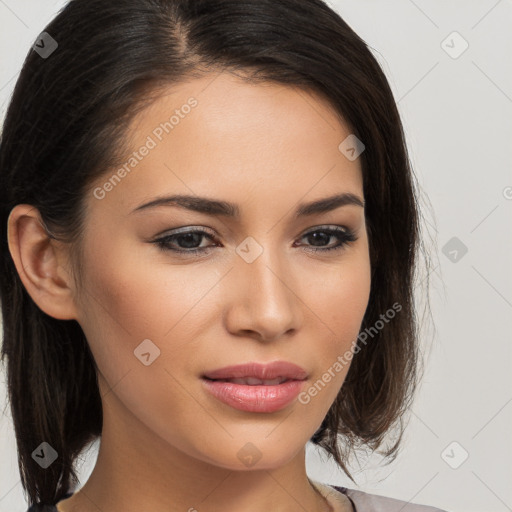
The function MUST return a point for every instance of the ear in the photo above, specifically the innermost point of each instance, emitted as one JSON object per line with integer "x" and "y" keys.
{"x": 41, "y": 263}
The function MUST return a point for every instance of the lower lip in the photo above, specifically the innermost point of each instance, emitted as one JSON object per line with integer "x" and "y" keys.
{"x": 254, "y": 398}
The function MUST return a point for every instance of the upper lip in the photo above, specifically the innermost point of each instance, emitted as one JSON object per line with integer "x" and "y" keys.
{"x": 261, "y": 371}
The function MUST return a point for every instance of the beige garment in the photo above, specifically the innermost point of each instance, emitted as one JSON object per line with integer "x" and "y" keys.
{"x": 337, "y": 500}
{"x": 366, "y": 502}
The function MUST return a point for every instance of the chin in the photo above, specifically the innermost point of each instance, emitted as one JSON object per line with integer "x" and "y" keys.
{"x": 253, "y": 453}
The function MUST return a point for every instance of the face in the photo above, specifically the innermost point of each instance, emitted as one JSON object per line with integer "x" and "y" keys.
{"x": 261, "y": 285}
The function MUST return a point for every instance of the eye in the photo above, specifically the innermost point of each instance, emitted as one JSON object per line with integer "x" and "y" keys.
{"x": 344, "y": 235}
{"x": 188, "y": 242}
{"x": 188, "y": 239}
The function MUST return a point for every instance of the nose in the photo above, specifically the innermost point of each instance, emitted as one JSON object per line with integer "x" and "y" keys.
{"x": 264, "y": 298}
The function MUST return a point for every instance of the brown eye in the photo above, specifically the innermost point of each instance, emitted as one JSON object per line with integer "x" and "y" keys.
{"x": 187, "y": 242}
{"x": 345, "y": 236}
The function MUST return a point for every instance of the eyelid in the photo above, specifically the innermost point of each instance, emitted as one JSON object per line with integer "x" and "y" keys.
{"x": 185, "y": 230}
{"x": 210, "y": 231}
{"x": 327, "y": 226}
{"x": 345, "y": 236}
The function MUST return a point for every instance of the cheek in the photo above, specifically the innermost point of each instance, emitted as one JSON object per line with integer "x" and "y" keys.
{"x": 347, "y": 298}
{"x": 126, "y": 300}
{"x": 340, "y": 301}
{"x": 342, "y": 296}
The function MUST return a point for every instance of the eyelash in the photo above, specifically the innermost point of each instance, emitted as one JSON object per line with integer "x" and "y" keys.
{"x": 345, "y": 235}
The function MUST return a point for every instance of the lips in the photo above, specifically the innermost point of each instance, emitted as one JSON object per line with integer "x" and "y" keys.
{"x": 253, "y": 374}
{"x": 253, "y": 381}
{"x": 256, "y": 387}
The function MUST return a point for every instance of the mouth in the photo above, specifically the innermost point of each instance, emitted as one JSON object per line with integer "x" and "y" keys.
{"x": 256, "y": 373}
{"x": 252, "y": 381}
{"x": 256, "y": 387}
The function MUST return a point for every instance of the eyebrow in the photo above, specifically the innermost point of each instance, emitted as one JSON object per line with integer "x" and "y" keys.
{"x": 226, "y": 209}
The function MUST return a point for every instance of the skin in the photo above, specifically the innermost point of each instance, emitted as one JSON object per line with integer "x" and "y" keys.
{"x": 166, "y": 443}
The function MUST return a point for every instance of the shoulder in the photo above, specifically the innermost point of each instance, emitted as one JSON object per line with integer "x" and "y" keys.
{"x": 366, "y": 502}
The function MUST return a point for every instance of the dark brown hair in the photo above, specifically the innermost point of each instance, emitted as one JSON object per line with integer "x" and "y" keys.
{"x": 66, "y": 125}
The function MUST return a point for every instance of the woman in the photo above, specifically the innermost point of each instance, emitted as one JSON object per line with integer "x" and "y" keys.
{"x": 211, "y": 234}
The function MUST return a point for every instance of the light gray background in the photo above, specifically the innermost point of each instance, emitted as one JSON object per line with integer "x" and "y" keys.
{"x": 457, "y": 115}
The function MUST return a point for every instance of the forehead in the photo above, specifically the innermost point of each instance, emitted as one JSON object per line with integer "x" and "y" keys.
{"x": 221, "y": 136}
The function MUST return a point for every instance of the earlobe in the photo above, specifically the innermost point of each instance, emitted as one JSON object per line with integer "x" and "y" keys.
{"x": 40, "y": 263}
